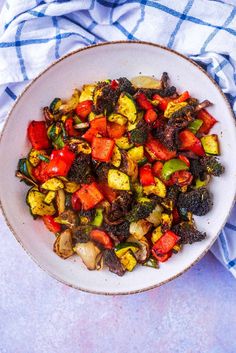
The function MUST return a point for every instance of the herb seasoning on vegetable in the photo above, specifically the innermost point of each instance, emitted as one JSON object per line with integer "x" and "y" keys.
{"x": 118, "y": 171}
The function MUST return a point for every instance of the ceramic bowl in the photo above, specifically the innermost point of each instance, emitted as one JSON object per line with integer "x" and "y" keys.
{"x": 111, "y": 60}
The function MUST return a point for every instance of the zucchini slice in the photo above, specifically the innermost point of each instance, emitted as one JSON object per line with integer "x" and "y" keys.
{"x": 35, "y": 156}
{"x": 87, "y": 93}
{"x": 158, "y": 189}
{"x": 123, "y": 143}
{"x": 35, "y": 200}
{"x": 118, "y": 119}
{"x": 118, "y": 180}
{"x": 210, "y": 143}
{"x": 49, "y": 197}
{"x": 53, "y": 184}
{"x": 146, "y": 82}
{"x": 136, "y": 153}
{"x": 128, "y": 261}
{"x": 116, "y": 157}
{"x": 126, "y": 106}
{"x": 72, "y": 103}
{"x": 71, "y": 186}
{"x": 61, "y": 201}
{"x": 122, "y": 248}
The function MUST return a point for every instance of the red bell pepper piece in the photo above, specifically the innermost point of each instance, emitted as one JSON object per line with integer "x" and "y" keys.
{"x": 108, "y": 192}
{"x": 75, "y": 202}
{"x": 51, "y": 225}
{"x": 165, "y": 243}
{"x": 182, "y": 178}
{"x": 99, "y": 124}
{"x": 143, "y": 101}
{"x": 159, "y": 150}
{"x": 60, "y": 162}
{"x": 156, "y": 168}
{"x": 115, "y": 131}
{"x": 191, "y": 143}
{"x": 184, "y": 159}
{"x": 114, "y": 84}
{"x": 163, "y": 102}
{"x": 176, "y": 216}
{"x": 83, "y": 109}
{"x": 40, "y": 172}
{"x": 89, "y": 134}
{"x": 69, "y": 126}
{"x": 145, "y": 175}
{"x": 89, "y": 196}
{"x": 162, "y": 257}
{"x": 182, "y": 98}
{"x": 102, "y": 148}
{"x": 102, "y": 238}
{"x": 208, "y": 121}
{"x": 150, "y": 116}
{"x": 37, "y": 134}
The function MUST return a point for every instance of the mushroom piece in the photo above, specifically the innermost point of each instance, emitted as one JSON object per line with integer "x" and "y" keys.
{"x": 206, "y": 103}
{"x": 90, "y": 254}
{"x": 129, "y": 166}
{"x": 63, "y": 244}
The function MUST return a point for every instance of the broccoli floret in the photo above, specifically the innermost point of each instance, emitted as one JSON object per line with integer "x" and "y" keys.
{"x": 211, "y": 165}
{"x": 141, "y": 210}
{"x": 106, "y": 98}
{"x": 198, "y": 201}
{"x": 125, "y": 85}
{"x": 196, "y": 168}
{"x": 140, "y": 134}
{"x": 81, "y": 171}
{"x": 188, "y": 233}
{"x": 188, "y": 109}
{"x": 121, "y": 231}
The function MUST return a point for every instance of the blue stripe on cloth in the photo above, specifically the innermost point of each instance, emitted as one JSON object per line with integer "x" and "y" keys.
{"x": 112, "y": 7}
{"x": 214, "y": 33}
{"x": 79, "y": 24}
{"x": 92, "y": 26}
{"x": 221, "y": 65}
{"x": 36, "y": 13}
{"x": 224, "y": 246}
{"x": 142, "y": 3}
{"x": 231, "y": 264}
{"x": 10, "y": 93}
{"x": 179, "y": 23}
{"x": 23, "y": 42}
{"x": 19, "y": 52}
{"x": 124, "y": 31}
{"x": 58, "y": 39}
{"x": 230, "y": 226}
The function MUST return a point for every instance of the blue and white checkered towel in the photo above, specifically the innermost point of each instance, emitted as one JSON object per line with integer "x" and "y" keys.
{"x": 34, "y": 33}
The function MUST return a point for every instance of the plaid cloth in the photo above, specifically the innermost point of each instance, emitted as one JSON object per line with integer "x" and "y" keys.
{"x": 34, "y": 33}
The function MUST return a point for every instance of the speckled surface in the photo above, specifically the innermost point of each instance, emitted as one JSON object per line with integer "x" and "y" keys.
{"x": 196, "y": 313}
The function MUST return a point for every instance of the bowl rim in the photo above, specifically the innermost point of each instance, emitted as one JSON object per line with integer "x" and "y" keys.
{"x": 14, "y": 232}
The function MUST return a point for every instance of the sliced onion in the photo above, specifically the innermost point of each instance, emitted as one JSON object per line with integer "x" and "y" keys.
{"x": 63, "y": 244}
{"x": 90, "y": 255}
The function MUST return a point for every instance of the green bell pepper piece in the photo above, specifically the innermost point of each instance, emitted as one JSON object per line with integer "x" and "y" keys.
{"x": 195, "y": 125}
{"x": 172, "y": 166}
{"x": 98, "y": 219}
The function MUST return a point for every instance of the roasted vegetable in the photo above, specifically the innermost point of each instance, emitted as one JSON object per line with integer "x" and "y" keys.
{"x": 198, "y": 201}
{"x": 210, "y": 144}
{"x": 35, "y": 200}
{"x": 188, "y": 233}
{"x": 140, "y": 228}
{"x": 126, "y": 106}
{"x": 118, "y": 180}
{"x": 211, "y": 165}
{"x": 141, "y": 210}
{"x": 63, "y": 244}
{"x": 90, "y": 255}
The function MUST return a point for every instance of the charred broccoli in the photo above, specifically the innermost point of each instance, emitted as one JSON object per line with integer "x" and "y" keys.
{"x": 81, "y": 171}
{"x": 188, "y": 233}
{"x": 125, "y": 85}
{"x": 120, "y": 206}
{"x": 198, "y": 201}
{"x": 121, "y": 231}
{"x": 140, "y": 134}
{"x": 211, "y": 165}
{"x": 196, "y": 168}
{"x": 105, "y": 98}
{"x": 141, "y": 210}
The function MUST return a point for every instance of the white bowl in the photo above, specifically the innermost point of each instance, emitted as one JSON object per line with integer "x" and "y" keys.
{"x": 111, "y": 60}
